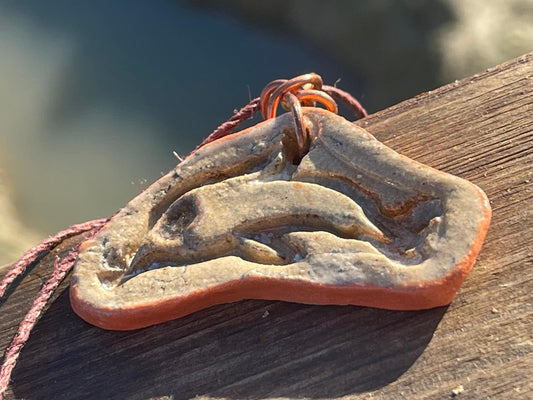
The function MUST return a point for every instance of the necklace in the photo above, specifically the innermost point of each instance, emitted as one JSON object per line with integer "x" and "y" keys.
{"x": 304, "y": 207}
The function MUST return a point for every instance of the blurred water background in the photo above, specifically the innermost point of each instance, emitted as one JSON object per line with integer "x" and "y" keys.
{"x": 95, "y": 96}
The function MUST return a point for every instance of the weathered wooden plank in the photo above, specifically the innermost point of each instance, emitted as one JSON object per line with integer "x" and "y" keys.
{"x": 480, "y": 128}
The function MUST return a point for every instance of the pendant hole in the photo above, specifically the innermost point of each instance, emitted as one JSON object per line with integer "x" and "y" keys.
{"x": 291, "y": 148}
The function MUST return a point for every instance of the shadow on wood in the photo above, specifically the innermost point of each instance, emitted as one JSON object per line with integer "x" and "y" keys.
{"x": 246, "y": 350}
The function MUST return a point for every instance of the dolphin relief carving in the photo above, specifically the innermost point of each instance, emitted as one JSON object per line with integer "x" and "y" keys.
{"x": 352, "y": 222}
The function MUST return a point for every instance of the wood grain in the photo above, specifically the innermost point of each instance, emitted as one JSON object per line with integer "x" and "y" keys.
{"x": 480, "y": 128}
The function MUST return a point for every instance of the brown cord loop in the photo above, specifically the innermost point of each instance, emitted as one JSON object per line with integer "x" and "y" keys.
{"x": 304, "y": 90}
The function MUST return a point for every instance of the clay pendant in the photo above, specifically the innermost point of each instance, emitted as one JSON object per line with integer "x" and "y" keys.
{"x": 350, "y": 222}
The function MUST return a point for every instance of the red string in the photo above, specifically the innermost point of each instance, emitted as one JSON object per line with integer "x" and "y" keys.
{"x": 252, "y": 107}
{"x": 347, "y": 98}
{"x": 61, "y": 268}
{"x": 238, "y": 118}
{"x": 38, "y": 251}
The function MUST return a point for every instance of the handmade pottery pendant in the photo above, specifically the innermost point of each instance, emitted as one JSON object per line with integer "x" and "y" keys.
{"x": 305, "y": 207}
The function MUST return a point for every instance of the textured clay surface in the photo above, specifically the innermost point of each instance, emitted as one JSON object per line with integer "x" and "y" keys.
{"x": 352, "y": 222}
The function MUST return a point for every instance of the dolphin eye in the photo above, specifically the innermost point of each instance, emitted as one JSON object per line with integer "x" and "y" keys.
{"x": 178, "y": 217}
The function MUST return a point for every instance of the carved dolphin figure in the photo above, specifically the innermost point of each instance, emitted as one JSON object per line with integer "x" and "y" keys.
{"x": 205, "y": 223}
{"x": 434, "y": 222}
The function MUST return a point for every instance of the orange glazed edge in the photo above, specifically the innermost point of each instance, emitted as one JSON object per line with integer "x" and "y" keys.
{"x": 410, "y": 296}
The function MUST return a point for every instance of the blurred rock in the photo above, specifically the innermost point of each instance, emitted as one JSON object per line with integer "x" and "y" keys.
{"x": 484, "y": 34}
{"x": 399, "y": 48}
